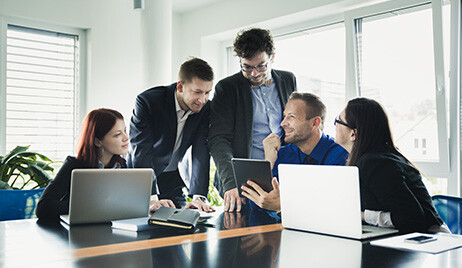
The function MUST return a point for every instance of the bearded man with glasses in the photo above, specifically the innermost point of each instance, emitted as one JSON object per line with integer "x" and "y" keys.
{"x": 247, "y": 107}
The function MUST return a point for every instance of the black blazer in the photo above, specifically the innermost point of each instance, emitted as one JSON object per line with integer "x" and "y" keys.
{"x": 153, "y": 128}
{"x": 231, "y": 122}
{"x": 55, "y": 198}
{"x": 389, "y": 183}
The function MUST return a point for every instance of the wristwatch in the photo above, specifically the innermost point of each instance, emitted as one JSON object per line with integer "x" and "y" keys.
{"x": 201, "y": 198}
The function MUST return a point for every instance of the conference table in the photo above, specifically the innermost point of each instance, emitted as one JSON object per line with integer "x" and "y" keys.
{"x": 252, "y": 238}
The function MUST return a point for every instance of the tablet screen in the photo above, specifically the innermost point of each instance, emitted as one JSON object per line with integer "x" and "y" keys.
{"x": 255, "y": 170}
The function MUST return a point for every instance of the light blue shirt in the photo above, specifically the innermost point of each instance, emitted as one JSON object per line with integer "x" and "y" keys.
{"x": 267, "y": 116}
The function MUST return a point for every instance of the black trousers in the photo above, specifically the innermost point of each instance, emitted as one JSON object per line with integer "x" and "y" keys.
{"x": 171, "y": 187}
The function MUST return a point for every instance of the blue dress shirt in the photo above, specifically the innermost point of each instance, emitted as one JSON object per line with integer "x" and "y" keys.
{"x": 267, "y": 116}
{"x": 326, "y": 152}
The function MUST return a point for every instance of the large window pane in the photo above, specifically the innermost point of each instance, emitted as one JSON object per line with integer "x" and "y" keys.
{"x": 317, "y": 58}
{"x": 397, "y": 69}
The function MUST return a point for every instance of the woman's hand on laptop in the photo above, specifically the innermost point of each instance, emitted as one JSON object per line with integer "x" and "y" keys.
{"x": 267, "y": 200}
{"x": 156, "y": 204}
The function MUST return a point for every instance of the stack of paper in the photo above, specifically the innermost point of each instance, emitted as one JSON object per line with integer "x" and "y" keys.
{"x": 444, "y": 242}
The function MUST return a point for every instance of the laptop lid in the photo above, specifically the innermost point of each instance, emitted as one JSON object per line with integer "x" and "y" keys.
{"x": 323, "y": 199}
{"x": 103, "y": 195}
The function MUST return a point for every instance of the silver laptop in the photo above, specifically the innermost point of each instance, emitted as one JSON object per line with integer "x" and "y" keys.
{"x": 324, "y": 199}
{"x": 103, "y": 195}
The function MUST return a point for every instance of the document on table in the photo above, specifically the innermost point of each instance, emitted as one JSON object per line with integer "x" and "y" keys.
{"x": 443, "y": 243}
{"x": 207, "y": 215}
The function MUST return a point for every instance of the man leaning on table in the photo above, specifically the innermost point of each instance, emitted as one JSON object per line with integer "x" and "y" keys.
{"x": 307, "y": 144}
{"x": 166, "y": 121}
{"x": 246, "y": 107}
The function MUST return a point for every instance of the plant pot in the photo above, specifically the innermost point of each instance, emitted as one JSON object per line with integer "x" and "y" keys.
{"x": 18, "y": 204}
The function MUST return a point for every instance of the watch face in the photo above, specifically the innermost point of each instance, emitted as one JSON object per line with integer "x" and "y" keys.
{"x": 201, "y": 198}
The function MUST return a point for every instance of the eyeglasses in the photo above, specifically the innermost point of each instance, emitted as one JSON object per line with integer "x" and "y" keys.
{"x": 338, "y": 121}
{"x": 259, "y": 68}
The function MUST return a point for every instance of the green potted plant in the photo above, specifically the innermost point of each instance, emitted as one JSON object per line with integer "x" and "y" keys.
{"x": 23, "y": 176}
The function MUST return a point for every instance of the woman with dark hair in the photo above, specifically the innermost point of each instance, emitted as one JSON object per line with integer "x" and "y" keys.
{"x": 392, "y": 191}
{"x": 102, "y": 142}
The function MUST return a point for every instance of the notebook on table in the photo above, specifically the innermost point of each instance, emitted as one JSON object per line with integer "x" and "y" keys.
{"x": 104, "y": 195}
{"x": 174, "y": 217}
{"x": 324, "y": 199}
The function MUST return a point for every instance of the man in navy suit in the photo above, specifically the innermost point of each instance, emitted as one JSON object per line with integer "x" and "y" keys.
{"x": 166, "y": 121}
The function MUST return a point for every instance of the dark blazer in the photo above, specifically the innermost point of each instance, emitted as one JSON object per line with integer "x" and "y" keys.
{"x": 55, "y": 198}
{"x": 231, "y": 121}
{"x": 389, "y": 183}
{"x": 153, "y": 128}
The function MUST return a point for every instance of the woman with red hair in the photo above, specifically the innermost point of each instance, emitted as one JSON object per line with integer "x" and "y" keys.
{"x": 102, "y": 142}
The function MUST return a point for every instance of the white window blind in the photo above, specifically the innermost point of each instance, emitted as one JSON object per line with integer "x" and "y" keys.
{"x": 41, "y": 90}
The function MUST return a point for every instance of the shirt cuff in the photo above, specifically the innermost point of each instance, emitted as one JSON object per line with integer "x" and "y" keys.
{"x": 200, "y": 197}
{"x": 378, "y": 218}
{"x": 154, "y": 197}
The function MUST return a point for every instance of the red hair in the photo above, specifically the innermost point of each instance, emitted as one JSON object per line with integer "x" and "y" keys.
{"x": 96, "y": 125}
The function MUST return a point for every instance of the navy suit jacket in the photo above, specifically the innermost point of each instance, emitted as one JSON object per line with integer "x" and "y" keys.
{"x": 153, "y": 128}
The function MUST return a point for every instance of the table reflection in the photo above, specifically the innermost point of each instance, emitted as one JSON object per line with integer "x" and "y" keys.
{"x": 315, "y": 250}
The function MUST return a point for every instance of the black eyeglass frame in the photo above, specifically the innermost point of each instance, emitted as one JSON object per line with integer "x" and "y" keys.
{"x": 338, "y": 121}
{"x": 259, "y": 68}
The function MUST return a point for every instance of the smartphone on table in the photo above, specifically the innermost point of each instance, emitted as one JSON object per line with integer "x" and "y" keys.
{"x": 420, "y": 239}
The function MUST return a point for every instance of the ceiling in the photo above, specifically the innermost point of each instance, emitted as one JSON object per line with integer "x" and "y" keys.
{"x": 183, "y": 6}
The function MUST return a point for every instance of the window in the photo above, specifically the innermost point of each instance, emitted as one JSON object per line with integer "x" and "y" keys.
{"x": 401, "y": 62}
{"x": 400, "y": 53}
{"x": 397, "y": 69}
{"x": 319, "y": 65}
{"x": 42, "y": 89}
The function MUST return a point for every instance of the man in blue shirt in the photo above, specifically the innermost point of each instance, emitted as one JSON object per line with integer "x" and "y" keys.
{"x": 303, "y": 125}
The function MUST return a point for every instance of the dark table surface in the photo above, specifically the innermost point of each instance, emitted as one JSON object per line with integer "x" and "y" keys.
{"x": 247, "y": 239}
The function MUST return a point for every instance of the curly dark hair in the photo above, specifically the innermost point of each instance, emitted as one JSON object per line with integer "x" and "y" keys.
{"x": 252, "y": 41}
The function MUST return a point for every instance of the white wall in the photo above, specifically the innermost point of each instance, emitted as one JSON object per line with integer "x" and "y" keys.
{"x": 117, "y": 53}
{"x": 203, "y": 32}
{"x": 115, "y": 61}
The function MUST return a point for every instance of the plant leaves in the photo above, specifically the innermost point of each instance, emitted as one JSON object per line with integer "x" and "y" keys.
{"x": 27, "y": 164}
{"x": 16, "y": 150}
{"x": 5, "y": 186}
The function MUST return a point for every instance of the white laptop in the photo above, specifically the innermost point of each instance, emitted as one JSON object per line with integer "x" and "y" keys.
{"x": 103, "y": 195}
{"x": 324, "y": 199}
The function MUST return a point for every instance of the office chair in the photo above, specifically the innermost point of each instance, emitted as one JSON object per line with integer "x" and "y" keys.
{"x": 450, "y": 210}
{"x": 18, "y": 204}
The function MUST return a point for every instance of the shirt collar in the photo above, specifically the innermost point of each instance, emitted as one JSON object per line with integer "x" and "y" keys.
{"x": 101, "y": 165}
{"x": 265, "y": 85}
{"x": 178, "y": 107}
{"x": 319, "y": 150}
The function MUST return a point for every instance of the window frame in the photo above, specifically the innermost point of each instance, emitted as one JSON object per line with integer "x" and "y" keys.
{"x": 80, "y": 97}
{"x": 447, "y": 158}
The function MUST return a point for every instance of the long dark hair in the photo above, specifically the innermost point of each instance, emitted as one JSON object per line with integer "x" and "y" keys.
{"x": 373, "y": 132}
{"x": 96, "y": 125}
